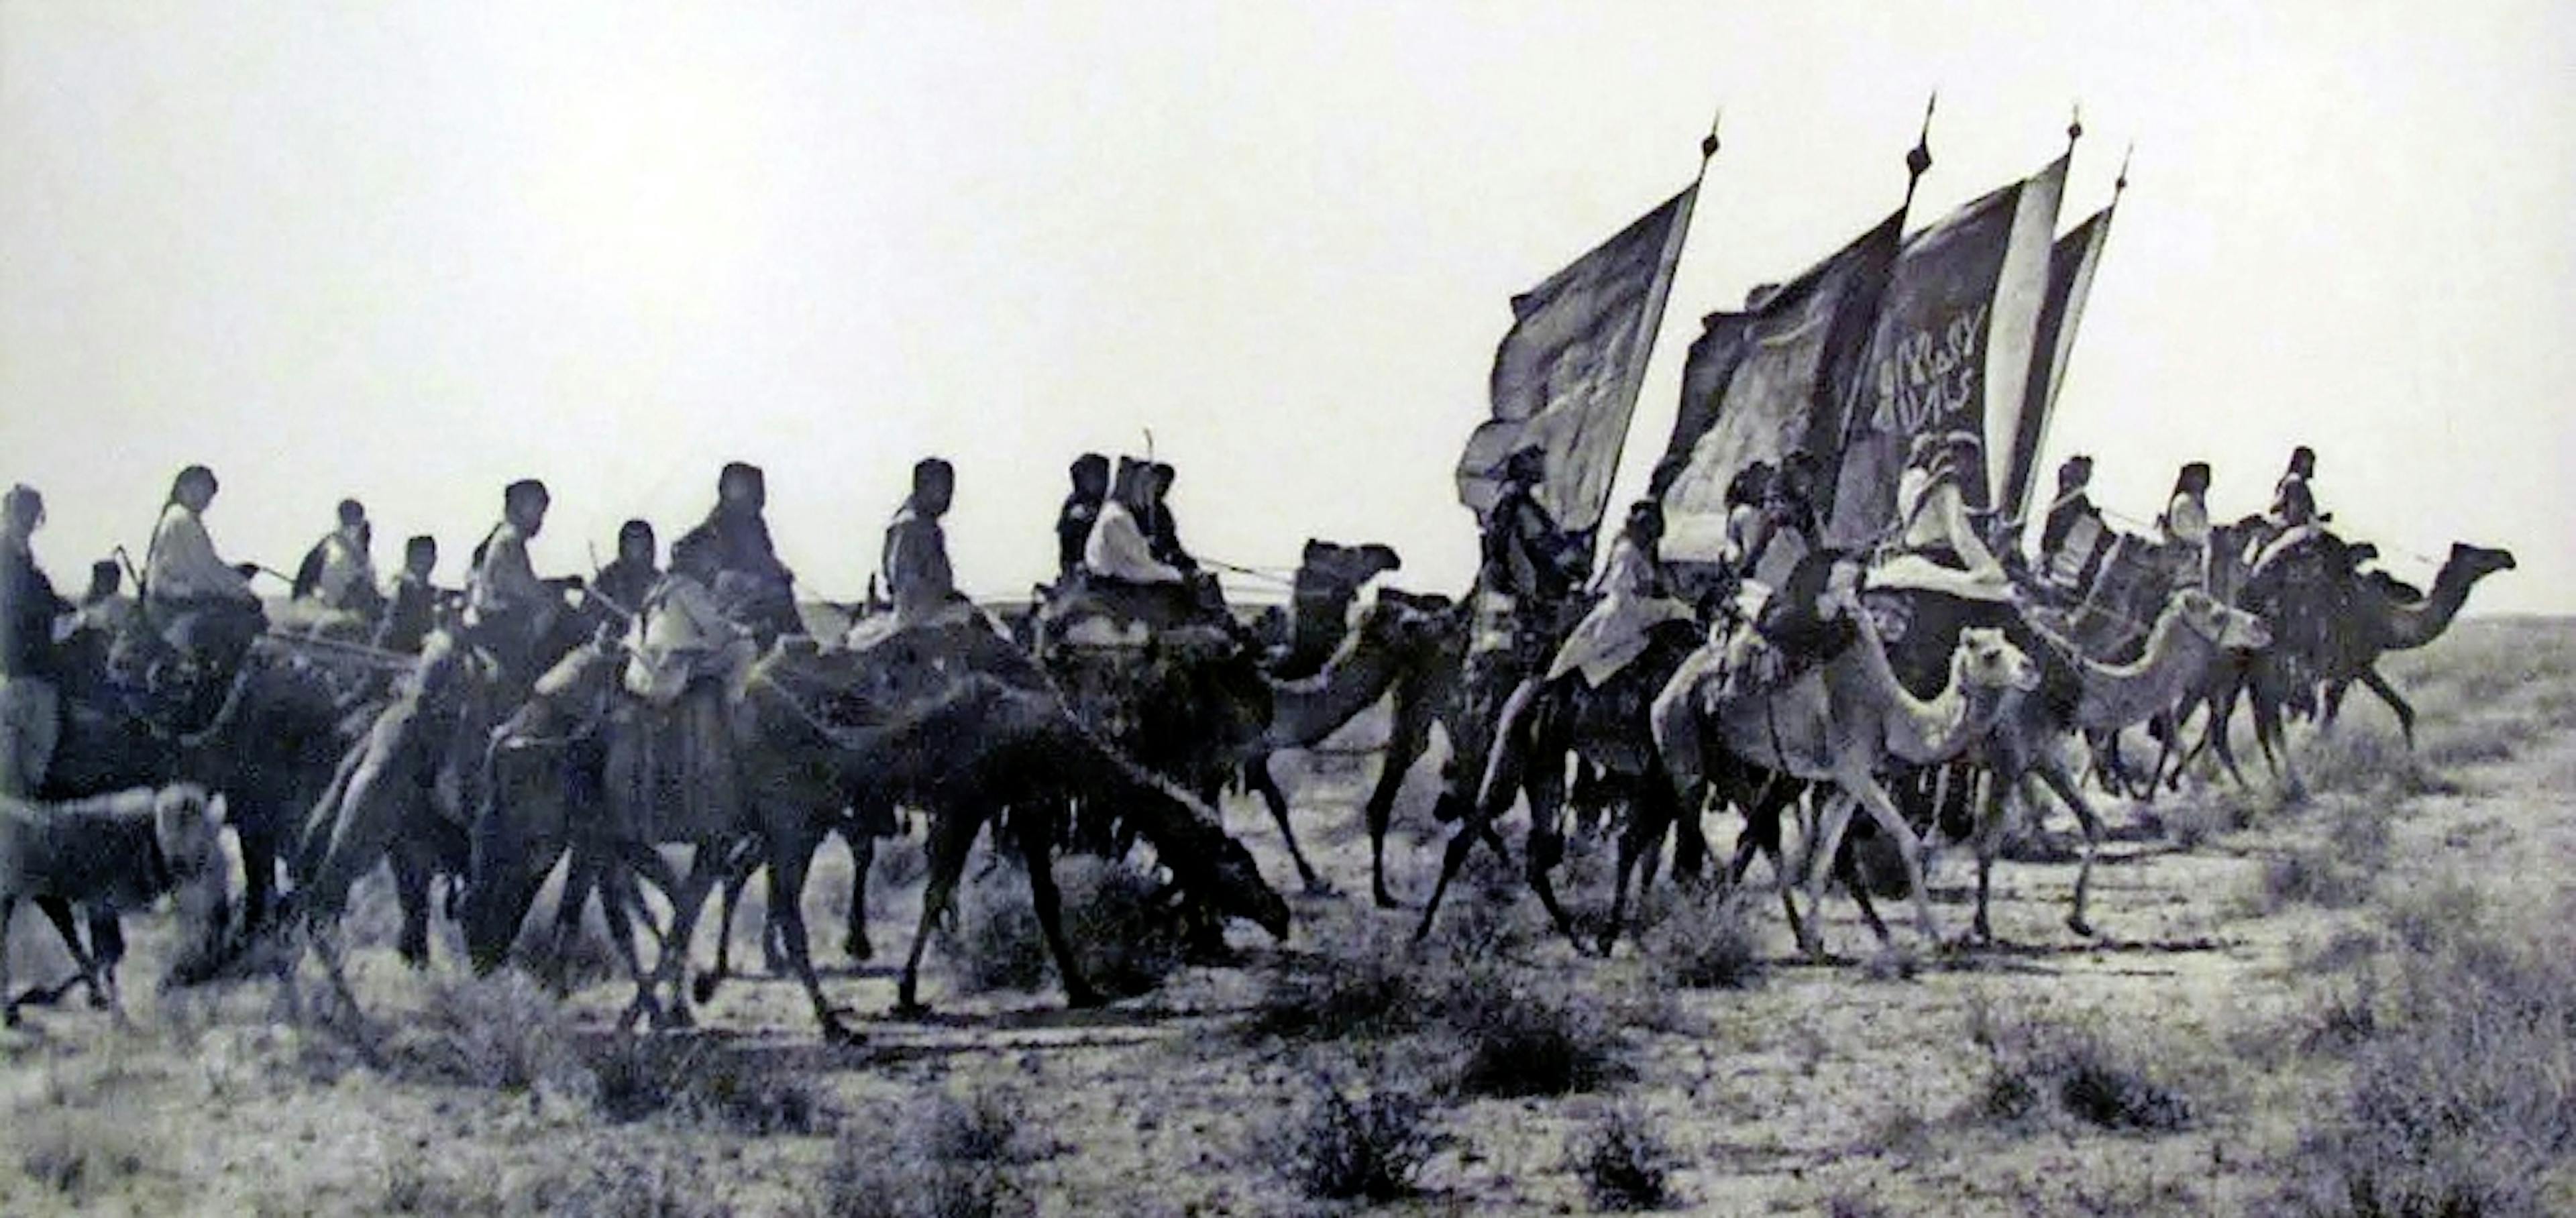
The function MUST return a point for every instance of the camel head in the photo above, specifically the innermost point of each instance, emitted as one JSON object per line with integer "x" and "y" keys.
{"x": 1986, "y": 660}
{"x": 2226, "y": 628}
{"x": 2478, "y": 562}
{"x": 1349, "y": 566}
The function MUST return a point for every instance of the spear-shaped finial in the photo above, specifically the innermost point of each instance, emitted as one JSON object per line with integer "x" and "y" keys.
{"x": 1708, "y": 145}
{"x": 1920, "y": 158}
{"x": 2121, "y": 183}
{"x": 2074, "y": 128}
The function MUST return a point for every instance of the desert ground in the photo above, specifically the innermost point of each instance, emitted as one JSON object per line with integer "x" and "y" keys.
{"x": 2360, "y": 1003}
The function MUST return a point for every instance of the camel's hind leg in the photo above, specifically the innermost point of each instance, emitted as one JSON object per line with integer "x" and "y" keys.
{"x": 1404, "y": 745}
{"x": 863, "y": 859}
{"x": 952, "y": 834}
{"x": 1991, "y": 821}
{"x": 1256, "y": 777}
{"x": 788, "y": 860}
{"x": 2068, "y": 792}
{"x": 1036, "y": 838}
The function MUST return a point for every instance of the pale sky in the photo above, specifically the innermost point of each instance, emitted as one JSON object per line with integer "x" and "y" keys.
{"x": 410, "y": 251}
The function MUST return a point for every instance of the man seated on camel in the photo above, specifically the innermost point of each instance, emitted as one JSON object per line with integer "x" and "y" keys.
{"x": 681, "y": 635}
{"x": 1118, "y": 560}
{"x": 1162, "y": 533}
{"x": 755, "y": 588}
{"x": 1081, "y": 511}
{"x": 1634, "y": 598}
{"x": 508, "y": 609}
{"x": 1932, "y": 506}
{"x": 2073, "y": 541}
{"x": 203, "y": 607}
{"x": 30, "y": 663}
{"x": 411, "y": 601}
{"x": 627, "y": 578}
{"x": 337, "y": 574}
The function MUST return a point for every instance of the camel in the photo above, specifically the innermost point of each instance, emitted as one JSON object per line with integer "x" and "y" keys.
{"x": 815, "y": 734}
{"x": 2189, "y": 638}
{"x": 112, "y": 853}
{"x": 1844, "y": 723}
{"x": 2331, "y": 628}
{"x": 1608, "y": 727}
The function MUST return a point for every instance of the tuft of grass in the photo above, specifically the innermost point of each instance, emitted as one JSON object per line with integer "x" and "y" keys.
{"x": 1624, "y": 1164}
{"x": 948, "y": 1158}
{"x": 1369, "y": 1149}
{"x": 1522, "y": 1036}
{"x": 502, "y": 1032}
{"x": 706, "y": 1084}
{"x": 76, "y": 1154}
{"x": 618, "y": 1182}
{"x": 1706, "y": 945}
{"x": 2462, "y": 1093}
{"x": 1360, "y": 986}
{"x": 2340, "y": 872}
{"x": 2358, "y": 761}
{"x": 2036, "y": 1068}
{"x": 1124, "y": 941}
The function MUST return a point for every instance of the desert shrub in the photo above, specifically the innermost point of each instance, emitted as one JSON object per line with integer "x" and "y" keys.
{"x": 2308, "y": 875}
{"x": 705, "y": 1083}
{"x": 2462, "y": 1092}
{"x": 1370, "y": 1148}
{"x": 1361, "y": 986}
{"x": 947, "y": 1158}
{"x": 2366, "y": 761}
{"x": 1123, "y": 940}
{"x": 2478, "y": 740}
{"x": 421, "y": 1186}
{"x": 620, "y": 1182}
{"x": 1705, "y": 945}
{"x": 1624, "y": 1165}
{"x": 2039, "y": 1067}
{"x": 1519, "y": 1036}
{"x": 501, "y": 1032}
{"x": 75, "y": 1154}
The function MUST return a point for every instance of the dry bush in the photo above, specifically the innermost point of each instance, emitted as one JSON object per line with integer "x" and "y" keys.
{"x": 501, "y": 1032}
{"x": 944, "y": 1158}
{"x": 1523, "y": 1035}
{"x": 2369, "y": 762}
{"x": 1358, "y": 985}
{"x": 1707, "y": 944}
{"x": 75, "y": 1154}
{"x": 617, "y": 1181}
{"x": 2462, "y": 1092}
{"x": 1342, "y": 1149}
{"x": 2338, "y": 872}
{"x": 2039, "y": 1067}
{"x": 1624, "y": 1164}
{"x": 701, "y": 1081}
{"x": 1124, "y": 941}
{"x": 2478, "y": 741}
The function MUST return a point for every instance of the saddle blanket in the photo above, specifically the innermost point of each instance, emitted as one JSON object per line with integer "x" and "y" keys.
{"x": 1913, "y": 571}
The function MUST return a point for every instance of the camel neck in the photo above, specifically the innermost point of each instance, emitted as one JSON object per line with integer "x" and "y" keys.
{"x": 2414, "y": 624}
{"x": 1306, "y": 711}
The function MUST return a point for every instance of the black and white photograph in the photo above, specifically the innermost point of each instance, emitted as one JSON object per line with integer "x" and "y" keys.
{"x": 1858, "y": 609}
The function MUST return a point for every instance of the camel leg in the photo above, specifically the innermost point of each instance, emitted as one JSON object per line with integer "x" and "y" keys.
{"x": 1652, "y": 810}
{"x": 2050, "y": 773}
{"x": 1037, "y": 851}
{"x": 1404, "y": 746}
{"x": 1543, "y": 781}
{"x": 2332, "y": 704}
{"x": 1461, "y": 843}
{"x": 2273, "y": 740}
{"x": 1991, "y": 820}
{"x": 1256, "y": 776}
{"x": 88, "y": 970}
{"x": 1505, "y": 760}
{"x": 689, "y": 900}
{"x": 411, "y": 893}
{"x": 1865, "y": 789}
{"x": 952, "y": 833}
{"x": 863, "y": 859}
{"x": 2387, "y": 693}
{"x": 1816, "y": 871}
{"x": 787, "y": 863}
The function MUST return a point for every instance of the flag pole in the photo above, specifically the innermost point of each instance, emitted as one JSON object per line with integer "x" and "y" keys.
{"x": 1653, "y": 321}
{"x": 1919, "y": 158}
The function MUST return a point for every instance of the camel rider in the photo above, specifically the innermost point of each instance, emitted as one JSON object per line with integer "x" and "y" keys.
{"x": 337, "y": 574}
{"x": 1530, "y": 566}
{"x": 1932, "y": 506}
{"x": 30, "y": 678}
{"x": 411, "y": 601}
{"x": 104, "y": 607}
{"x": 2294, "y": 515}
{"x": 681, "y": 635}
{"x": 508, "y": 610}
{"x": 629, "y": 576}
{"x": 202, "y": 606}
{"x": 1634, "y": 599}
{"x": 2185, "y": 524}
{"x": 1081, "y": 510}
{"x": 1789, "y": 532}
{"x": 1748, "y": 528}
{"x": 1161, "y": 533}
{"x": 915, "y": 559}
{"x": 754, "y": 587}
{"x": 2301, "y": 474}
{"x": 2071, "y": 539}
{"x": 1119, "y": 547}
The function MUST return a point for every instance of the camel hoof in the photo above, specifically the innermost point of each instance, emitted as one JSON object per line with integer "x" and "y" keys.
{"x": 836, "y": 1032}
{"x": 2078, "y": 924}
{"x": 906, "y": 1008}
{"x": 1318, "y": 886}
{"x": 1386, "y": 900}
{"x": 858, "y": 949}
{"x": 703, "y": 990}
{"x": 1084, "y": 999}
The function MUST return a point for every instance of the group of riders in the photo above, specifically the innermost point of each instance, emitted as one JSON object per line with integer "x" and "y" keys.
{"x": 721, "y": 601}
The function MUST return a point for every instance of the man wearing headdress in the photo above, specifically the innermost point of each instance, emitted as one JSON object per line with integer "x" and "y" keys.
{"x": 755, "y": 588}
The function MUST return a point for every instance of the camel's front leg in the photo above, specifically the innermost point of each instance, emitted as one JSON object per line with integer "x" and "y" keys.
{"x": 1404, "y": 745}
{"x": 1036, "y": 837}
{"x": 787, "y": 863}
{"x": 1992, "y": 819}
{"x": 2379, "y": 685}
{"x": 863, "y": 859}
{"x": 1256, "y": 776}
{"x": 2054, "y": 775}
{"x": 1882, "y": 809}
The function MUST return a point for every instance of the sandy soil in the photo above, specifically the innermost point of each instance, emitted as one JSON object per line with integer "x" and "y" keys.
{"x": 1852, "y": 1087}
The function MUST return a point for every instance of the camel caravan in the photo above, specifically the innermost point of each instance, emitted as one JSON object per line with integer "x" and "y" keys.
{"x": 1828, "y": 602}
